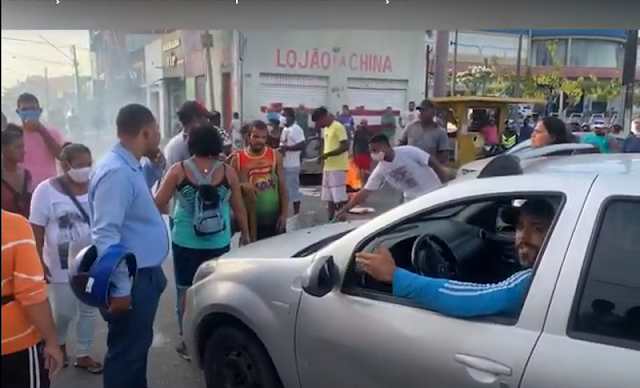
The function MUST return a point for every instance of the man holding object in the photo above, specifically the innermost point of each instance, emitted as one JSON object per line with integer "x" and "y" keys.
{"x": 123, "y": 212}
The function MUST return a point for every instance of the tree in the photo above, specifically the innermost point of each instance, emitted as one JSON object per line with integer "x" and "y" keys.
{"x": 552, "y": 84}
{"x": 476, "y": 80}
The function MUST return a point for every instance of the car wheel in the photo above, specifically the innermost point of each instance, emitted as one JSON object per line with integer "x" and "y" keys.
{"x": 235, "y": 358}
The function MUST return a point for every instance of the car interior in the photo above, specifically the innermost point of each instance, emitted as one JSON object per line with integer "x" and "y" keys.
{"x": 470, "y": 242}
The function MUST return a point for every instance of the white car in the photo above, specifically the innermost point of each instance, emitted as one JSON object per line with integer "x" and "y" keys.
{"x": 295, "y": 311}
{"x": 524, "y": 151}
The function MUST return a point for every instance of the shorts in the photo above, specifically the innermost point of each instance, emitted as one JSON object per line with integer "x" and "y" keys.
{"x": 334, "y": 186}
{"x": 186, "y": 262}
{"x": 363, "y": 161}
{"x": 267, "y": 231}
{"x": 292, "y": 180}
{"x": 25, "y": 369}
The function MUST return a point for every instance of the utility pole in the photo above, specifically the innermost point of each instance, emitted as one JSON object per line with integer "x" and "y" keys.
{"x": 629, "y": 76}
{"x": 76, "y": 78}
{"x": 441, "y": 71}
{"x": 427, "y": 78}
{"x": 207, "y": 44}
{"x": 454, "y": 80}
{"x": 516, "y": 83}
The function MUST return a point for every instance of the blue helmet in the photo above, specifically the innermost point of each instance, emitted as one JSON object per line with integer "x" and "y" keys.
{"x": 90, "y": 275}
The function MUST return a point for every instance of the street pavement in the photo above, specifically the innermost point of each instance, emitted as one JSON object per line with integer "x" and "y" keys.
{"x": 166, "y": 369}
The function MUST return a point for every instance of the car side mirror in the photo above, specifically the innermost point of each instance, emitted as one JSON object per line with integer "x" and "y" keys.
{"x": 320, "y": 278}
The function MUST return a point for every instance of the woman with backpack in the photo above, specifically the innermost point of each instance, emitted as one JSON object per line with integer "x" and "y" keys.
{"x": 207, "y": 190}
{"x": 16, "y": 180}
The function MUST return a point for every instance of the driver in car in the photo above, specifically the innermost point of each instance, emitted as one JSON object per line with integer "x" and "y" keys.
{"x": 462, "y": 299}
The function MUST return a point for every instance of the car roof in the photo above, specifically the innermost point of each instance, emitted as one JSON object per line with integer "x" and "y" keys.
{"x": 622, "y": 164}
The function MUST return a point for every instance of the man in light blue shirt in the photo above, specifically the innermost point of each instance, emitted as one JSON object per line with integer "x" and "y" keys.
{"x": 123, "y": 211}
{"x": 465, "y": 299}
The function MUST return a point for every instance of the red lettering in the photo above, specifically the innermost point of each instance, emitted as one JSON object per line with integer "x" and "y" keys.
{"x": 353, "y": 62}
{"x": 386, "y": 65}
{"x": 364, "y": 62}
{"x": 291, "y": 58}
{"x": 303, "y": 65}
{"x": 279, "y": 61}
{"x": 315, "y": 60}
{"x": 325, "y": 60}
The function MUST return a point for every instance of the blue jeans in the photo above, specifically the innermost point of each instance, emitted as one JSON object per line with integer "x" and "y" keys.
{"x": 131, "y": 333}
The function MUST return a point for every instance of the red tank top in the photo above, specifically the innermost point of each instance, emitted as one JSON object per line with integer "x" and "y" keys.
{"x": 244, "y": 158}
{"x": 15, "y": 201}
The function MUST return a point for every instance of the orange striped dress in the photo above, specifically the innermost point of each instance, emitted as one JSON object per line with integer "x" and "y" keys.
{"x": 22, "y": 278}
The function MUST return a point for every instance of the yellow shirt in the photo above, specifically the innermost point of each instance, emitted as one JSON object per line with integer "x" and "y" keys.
{"x": 334, "y": 134}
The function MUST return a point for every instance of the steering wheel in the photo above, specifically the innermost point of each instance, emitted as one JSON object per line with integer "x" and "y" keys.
{"x": 433, "y": 257}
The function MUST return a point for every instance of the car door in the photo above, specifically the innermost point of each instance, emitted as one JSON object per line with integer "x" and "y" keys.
{"x": 592, "y": 335}
{"x": 359, "y": 342}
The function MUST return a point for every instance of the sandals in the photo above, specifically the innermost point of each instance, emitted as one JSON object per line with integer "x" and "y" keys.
{"x": 94, "y": 369}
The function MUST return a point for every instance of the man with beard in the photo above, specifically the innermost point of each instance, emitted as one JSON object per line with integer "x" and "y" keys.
{"x": 263, "y": 184}
{"x": 462, "y": 299}
{"x": 123, "y": 211}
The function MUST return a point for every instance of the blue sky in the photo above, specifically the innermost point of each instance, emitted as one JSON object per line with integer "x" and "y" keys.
{"x": 25, "y": 53}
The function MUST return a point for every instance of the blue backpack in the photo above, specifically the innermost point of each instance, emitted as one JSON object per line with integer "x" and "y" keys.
{"x": 207, "y": 213}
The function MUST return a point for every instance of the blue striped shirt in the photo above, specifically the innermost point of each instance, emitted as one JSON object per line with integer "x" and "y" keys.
{"x": 462, "y": 299}
{"x": 123, "y": 211}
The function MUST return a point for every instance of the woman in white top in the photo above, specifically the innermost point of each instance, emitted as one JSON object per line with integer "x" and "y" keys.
{"x": 61, "y": 227}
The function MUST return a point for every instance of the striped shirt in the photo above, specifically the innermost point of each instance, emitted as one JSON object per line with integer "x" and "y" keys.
{"x": 22, "y": 279}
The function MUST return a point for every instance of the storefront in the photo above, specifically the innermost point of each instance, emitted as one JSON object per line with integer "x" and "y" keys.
{"x": 173, "y": 75}
{"x": 194, "y": 66}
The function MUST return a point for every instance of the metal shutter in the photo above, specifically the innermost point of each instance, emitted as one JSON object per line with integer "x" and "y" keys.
{"x": 369, "y": 97}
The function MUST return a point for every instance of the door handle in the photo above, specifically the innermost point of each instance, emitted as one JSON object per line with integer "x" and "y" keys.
{"x": 483, "y": 365}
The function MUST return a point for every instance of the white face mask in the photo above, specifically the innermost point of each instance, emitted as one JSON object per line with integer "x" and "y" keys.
{"x": 79, "y": 175}
{"x": 377, "y": 156}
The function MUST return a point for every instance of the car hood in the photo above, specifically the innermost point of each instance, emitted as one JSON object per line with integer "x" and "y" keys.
{"x": 472, "y": 169}
{"x": 291, "y": 243}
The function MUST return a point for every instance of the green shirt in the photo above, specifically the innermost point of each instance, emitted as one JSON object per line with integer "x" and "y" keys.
{"x": 388, "y": 122}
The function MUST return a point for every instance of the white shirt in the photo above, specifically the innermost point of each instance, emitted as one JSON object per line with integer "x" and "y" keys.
{"x": 63, "y": 224}
{"x": 291, "y": 136}
{"x": 408, "y": 117}
{"x": 408, "y": 172}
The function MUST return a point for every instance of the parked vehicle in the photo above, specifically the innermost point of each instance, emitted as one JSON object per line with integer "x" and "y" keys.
{"x": 294, "y": 311}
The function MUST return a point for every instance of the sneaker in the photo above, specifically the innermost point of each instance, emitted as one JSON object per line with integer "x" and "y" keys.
{"x": 183, "y": 352}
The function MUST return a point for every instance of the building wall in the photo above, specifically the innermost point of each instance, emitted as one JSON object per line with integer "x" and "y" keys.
{"x": 478, "y": 46}
{"x": 153, "y": 79}
{"x": 338, "y": 55}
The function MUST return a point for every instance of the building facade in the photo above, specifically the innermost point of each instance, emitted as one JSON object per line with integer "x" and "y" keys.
{"x": 578, "y": 53}
{"x": 366, "y": 70}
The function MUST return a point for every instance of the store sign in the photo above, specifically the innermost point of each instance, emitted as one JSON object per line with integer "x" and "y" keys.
{"x": 325, "y": 60}
{"x": 171, "y": 45}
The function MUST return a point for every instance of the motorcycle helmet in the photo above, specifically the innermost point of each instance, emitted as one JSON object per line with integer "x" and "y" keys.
{"x": 90, "y": 274}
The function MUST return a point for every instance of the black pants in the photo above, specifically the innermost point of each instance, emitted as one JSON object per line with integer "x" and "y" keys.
{"x": 25, "y": 369}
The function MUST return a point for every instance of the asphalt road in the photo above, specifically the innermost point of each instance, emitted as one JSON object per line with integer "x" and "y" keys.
{"x": 166, "y": 368}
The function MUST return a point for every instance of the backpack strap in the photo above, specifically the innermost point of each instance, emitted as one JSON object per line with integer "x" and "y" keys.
{"x": 201, "y": 179}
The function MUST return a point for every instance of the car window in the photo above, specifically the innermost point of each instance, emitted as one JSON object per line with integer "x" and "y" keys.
{"x": 608, "y": 303}
{"x": 466, "y": 249}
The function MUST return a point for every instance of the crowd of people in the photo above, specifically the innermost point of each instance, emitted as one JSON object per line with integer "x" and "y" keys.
{"x": 212, "y": 183}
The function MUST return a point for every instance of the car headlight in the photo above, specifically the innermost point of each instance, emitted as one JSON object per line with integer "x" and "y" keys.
{"x": 205, "y": 270}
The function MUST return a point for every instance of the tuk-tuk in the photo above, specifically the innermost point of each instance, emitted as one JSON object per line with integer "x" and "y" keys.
{"x": 467, "y": 146}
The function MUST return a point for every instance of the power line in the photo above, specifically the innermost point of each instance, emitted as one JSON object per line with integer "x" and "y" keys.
{"x": 21, "y": 40}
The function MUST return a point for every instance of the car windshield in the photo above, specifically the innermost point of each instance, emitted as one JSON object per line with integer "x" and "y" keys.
{"x": 315, "y": 247}
{"x": 520, "y": 147}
